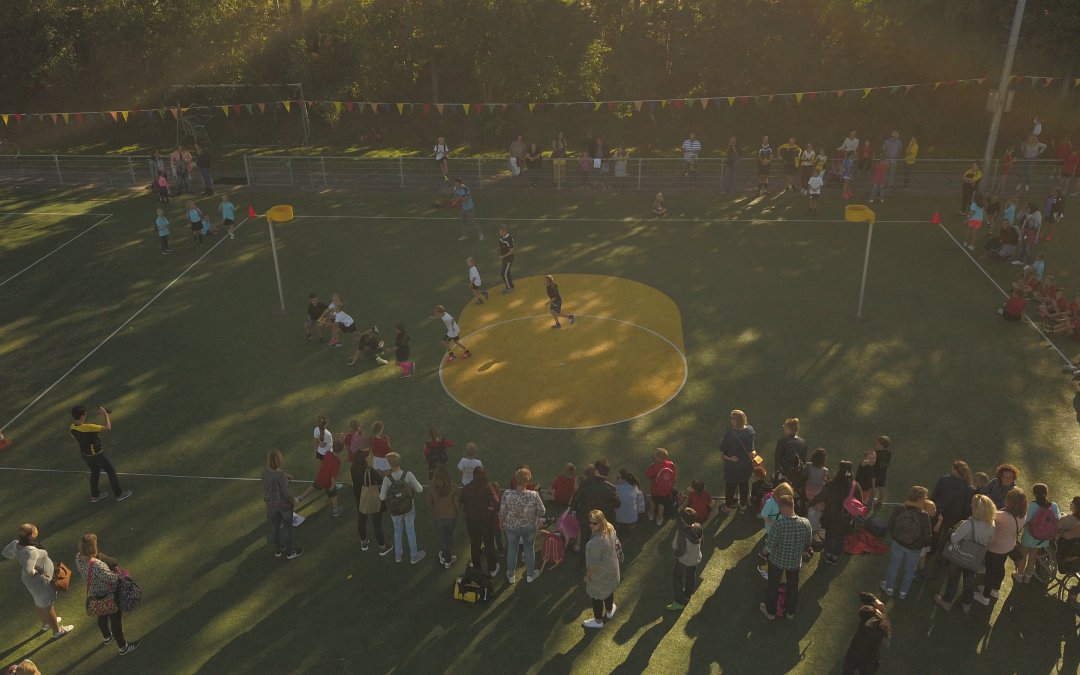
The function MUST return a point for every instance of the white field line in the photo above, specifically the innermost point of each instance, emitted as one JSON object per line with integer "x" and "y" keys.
{"x": 608, "y": 220}
{"x": 107, "y": 216}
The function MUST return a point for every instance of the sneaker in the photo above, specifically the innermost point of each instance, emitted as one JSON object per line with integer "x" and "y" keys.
{"x": 64, "y": 630}
{"x": 533, "y": 577}
{"x": 450, "y": 357}
{"x": 335, "y": 345}
{"x": 660, "y": 521}
{"x": 332, "y": 343}
{"x": 764, "y": 611}
{"x": 495, "y": 571}
{"x": 558, "y": 325}
{"x": 1017, "y": 262}
{"x": 418, "y": 557}
{"x": 675, "y": 607}
{"x": 467, "y": 354}
{"x": 363, "y": 544}
{"x": 280, "y": 552}
{"x": 511, "y": 577}
{"x": 295, "y": 554}
{"x": 982, "y": 599}
{"x": 45, "y": 626}
{"x": 941, "y": 603}
{"x": 763, "y": 570}
{"x": 611, "y": 615}
{"x": 123, "y": 495}
{"x": 888, "y": 591}
{"x": 592, "y": 623}
{"x": 385, "y": 550}
{"x": 381, "y": 361}
{"x": 995, "y": 594}
{"x": 571, "y": 318}
{"x": 338, "y": 511}
{"x": 397, "y": 558}
{"x": 129, "y": 647}
{"x": 107, "y": 640}
{"x": 902, "y": 596}
{"x": 95, "y": 500}
{"x": 792, "y": 616}
{"x": 507, "y": 290}
{"x": 449, "y": 563}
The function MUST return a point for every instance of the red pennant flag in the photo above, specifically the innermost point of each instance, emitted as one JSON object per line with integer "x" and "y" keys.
{"x": 743, "y": 99}
{"x": 611, "y": 105}
{"x": 478, "y": 107}
{"x": 19, "y": 117}
{"x": 348, "y": 106}
{"x": 79, "y": 117}
{"x": 236, "y": 108}
{"x": 812, "y": 95}
{"x": 678, "y": 103}
{"x": 426, "y": 107}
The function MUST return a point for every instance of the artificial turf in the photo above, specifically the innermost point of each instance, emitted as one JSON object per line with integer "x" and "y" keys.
{"x": 210, "y": 376}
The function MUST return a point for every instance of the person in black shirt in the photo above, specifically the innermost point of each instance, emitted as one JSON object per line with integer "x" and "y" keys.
{"x": 790, "y": 455}
{"x": 874, "y": 632}
{"x": 506, "y": 258}
{"x": 315, "y": 310}
{"x": 93, "y": 453}
{"x": 556, "y": 302}
{"x": 884, "y": 459}
{"x": 202, "y": 161}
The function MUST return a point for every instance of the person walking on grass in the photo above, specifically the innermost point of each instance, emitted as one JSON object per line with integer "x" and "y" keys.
{"x": 506, "y": 258}
{"x": 102, "y": 577}
{"x": 453, "y": 334}
{"x": 463, "y": 198}
{"x": 687, "y": 547}
{"x": 475, "y": 284}
{"x": 442, "y": 152}
{"x": 195, "y": 220}
{"x": 787, "y": 540}
{"x": 326, "y": 478}
{"x": 279, "y": 506}
{"x": 161, "y": 226}
{"x": 38, "y": 572}
{"x": 555, "y": 306}
{"x": 93, "y": 452}
{"x": 398, "y": 489}
{"x": 602, "y": 574}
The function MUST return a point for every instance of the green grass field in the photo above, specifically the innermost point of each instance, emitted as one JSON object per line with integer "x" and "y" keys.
{"x": 210, "y": 376}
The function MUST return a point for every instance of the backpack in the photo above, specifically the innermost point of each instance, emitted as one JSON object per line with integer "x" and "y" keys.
{"x": 764, "y": 500}
{"x": 1044, "y": 525}
{"x": 437, "y": 454}
{"x": 853, "y": 506}
{"x": 664, "y": 483}
{"x": 906, "y": 529}
{"x": 399, "y": 498}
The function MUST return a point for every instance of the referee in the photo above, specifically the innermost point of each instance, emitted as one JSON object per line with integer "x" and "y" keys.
{"x": 506, "y": 258}
{"x": 93, "y": 453}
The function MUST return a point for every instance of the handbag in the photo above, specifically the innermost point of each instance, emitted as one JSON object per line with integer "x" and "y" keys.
{"x": 98, "y": 605}
{"x": 128, "y": 592}
{"x": 369, "y": 500}
{"x": 1016, "y": 554}
{"x": 61, "y": 577}
{"x": 966, "y": 553}
{"x": 853, "y": 506}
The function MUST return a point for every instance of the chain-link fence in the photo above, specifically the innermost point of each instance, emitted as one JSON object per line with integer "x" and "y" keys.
{"x": 925, "y": 176}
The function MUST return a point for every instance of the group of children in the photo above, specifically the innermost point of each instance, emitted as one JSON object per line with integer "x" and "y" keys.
{"x": 199, "y": 222}
{"x": 333, "y": 318}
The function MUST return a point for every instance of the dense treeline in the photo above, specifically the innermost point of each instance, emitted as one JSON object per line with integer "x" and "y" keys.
{"x": 110, "y": 54}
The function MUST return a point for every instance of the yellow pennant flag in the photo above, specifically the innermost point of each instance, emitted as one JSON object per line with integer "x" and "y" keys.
{"x": 288, "y": 105}
{"x": 66, "y": 116}
{"x": 124, "y": 114}
{"x": 663, "y": 103}
{"x": 936, "y": 85}
{"x": 465, "y": 107}
{"x": 866, "y": 92}
{"x": 532, "y": 106}
{"x": 338, "y": 105}
{"x": 400, "y": 108}
{"x": 1076, "y": 82}
{"x": 597, "y": 104}
{"x": 798, "y": 97}
{"x": 224, "y": 109}
{"x": 5, "y": 118}
{"x": 731, "y": 100}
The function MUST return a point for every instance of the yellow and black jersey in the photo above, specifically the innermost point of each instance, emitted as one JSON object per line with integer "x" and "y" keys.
{"x": 86, "y": 435}
{"x": 789, "y": 153}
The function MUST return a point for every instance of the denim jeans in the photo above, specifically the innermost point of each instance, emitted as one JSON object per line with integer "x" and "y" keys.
{"x": 281, "y": 520}
{"x": 520, "y": 535}
{"x": 444, "y": 527}
{"x": 902, "y": 558}
{"x": 407, "y": 520}
{"x": 684, "y": 581}
{"x": 877, "y": 191}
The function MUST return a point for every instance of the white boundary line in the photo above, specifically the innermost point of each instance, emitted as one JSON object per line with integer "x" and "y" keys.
{"x": 118, "y": 329}
{"x": 1027, "y": 318}
{"x": 628, "y": 219}
{"x": 144, "y": 475}
{"x": 686, "y": 372}
{"x": 53, "y": 213}
{"x": 56, "y": 249}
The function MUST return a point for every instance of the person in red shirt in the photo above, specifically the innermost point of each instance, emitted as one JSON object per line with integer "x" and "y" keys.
{"x": 1013, "y": 309}
{"x": 881, "y": 172}
{"x": 435, "y": 450}
{"x": 700, "y": 500}
{"x": 1007, "y": 162}
{"x": 563, "y": 487}
{"x": 1062, "y": 152}
{"x": 326, "y": 477}
{"x": 661, "y": 476}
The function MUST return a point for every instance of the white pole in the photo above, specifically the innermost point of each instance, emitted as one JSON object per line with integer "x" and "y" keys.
{"x": 277, "y": 268}
{"x": 1003, "y": 82}
{"x": 865, "y": 269}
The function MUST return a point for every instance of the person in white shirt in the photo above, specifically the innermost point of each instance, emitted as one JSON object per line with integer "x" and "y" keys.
{"x": 453, "y": 334}
{"x": 850, "y": 144}
{"x": 691, "y": 150}
{"x": 441, "y": 153}
{"x": 343, "y": 323}
{"x": 394, "y": 481}
{"x": 807, "y": 159}
{"x": 475, "y": 284}
{"x": 468, "y": 463}
{"x": 813, "y": 189}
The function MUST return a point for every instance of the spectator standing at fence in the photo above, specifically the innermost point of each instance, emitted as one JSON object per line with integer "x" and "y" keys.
{"x": 622, "y": 158}
{"x": 789, "y": 155}
{"x": 850, "y": 144}
{"x": 181, "y": 167}
{"x": 972, "y": 177}
{"x": 442, "y": 153}
{"x": 731, "y": 166}
{"x": 93, "y": 452}
{"x": 1030, "y": 150}
{"x": 911, "y": 153}
{"x": 893, "y": 150}
{"x": 764, "y": 159}
{"x": 203, "y": 162}
{"x": 807, "y": 158}
{"x": 534, "y": 162}
{"x": 517, "y": 156}
{"x": 691, "y": 150}
{"x": 558, "y": 160}
{"x": 468, "y": 210}
{"x": 506, "y": 258}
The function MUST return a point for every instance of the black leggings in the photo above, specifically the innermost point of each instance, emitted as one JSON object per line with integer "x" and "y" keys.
{"x": 97, "y": 464}
{"x": 601, "y": 607}
{"x": 743, "y": 489}
{"x": 361, "y": 526}
{"x": 112, "y": 625}
{"x": 482, "y": 541}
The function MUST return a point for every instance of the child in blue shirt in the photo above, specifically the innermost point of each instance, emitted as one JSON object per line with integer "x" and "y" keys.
{"x": 195, "y": 218}
{"x": 161, "y": 226}
{"x": 228, "y": 211}
{"x": 975, "y": 217}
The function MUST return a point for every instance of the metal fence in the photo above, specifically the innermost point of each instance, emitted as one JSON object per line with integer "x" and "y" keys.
{"x": 926, "y": 176}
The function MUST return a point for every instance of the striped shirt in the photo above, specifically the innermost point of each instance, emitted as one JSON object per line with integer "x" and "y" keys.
{"x": 691, "y": 148}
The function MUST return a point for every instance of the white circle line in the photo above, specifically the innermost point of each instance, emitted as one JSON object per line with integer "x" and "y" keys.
{"x": 686, "y": 373}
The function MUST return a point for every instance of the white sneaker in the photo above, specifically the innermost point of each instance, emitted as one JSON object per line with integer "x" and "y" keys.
{"x": 533, "y": 577}
{"x": 124, "y": 495}
{"x": 982, "y": 599}
{"x": 511, "y": 577}
{"x": 418, "y": 557}
{"x": 592, "y": 623}
{"x": 64, "y": 630}
{"x": 611, "y": 615}
{"x": 495, "y": 571}
{"x": 448, "y": 563}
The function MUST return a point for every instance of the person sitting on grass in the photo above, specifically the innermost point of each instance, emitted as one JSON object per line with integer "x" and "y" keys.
{"x": 658, "y": 208}
{"x": 1013, "y": 309}
{"x": 1055, "y": 308}
{"x": 1027, "y": 284}
{"x": 1004, "y": 243}
{"x": 1047, "y": 290}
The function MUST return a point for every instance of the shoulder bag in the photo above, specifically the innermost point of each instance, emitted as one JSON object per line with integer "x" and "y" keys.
{"x": 966, "y": 553}
{"x": 61, "y": 577}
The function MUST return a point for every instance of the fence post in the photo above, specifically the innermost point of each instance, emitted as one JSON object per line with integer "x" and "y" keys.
{"x": 479, "y": 172}
{"x": 131, "y": 170}
{"x": 401, "y": 171}
{"x": 322, "y": 165}
{"x": 247, "y": 169}
{"x": 59, "y": 175}
{"x": 639, "y": 173}
{"x": 993, "y": 178}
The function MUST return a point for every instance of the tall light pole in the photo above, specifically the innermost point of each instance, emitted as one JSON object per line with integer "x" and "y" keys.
{"x": 1003, "y": 83}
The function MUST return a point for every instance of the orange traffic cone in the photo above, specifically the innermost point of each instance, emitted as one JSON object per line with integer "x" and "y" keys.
{"x": 936, "y": 220}
{"x": 252, "y": 214}
{"x": 5, "y": 442}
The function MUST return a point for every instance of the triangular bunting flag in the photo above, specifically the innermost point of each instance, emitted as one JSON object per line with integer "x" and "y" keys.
{"x": 980, "y": 80}
{"x": 53, "y": 116}
{"x": 798, "y": 97}
{"x": 400, "y": 108}
{"x": 893, "y": 90}
{"x": 250, "y": 108}
{"x": 637, "y": 104}
{"x": 439, "y": 107}
{"x": 704, "y": 103}
{"x": 532, "y": 107}
{"x": 866, "y": 91}
{"x": 5, "y": 118}
{"x": 66, "y": 116}
{"x": 426, "y": 107}
{"x": 812, "y": 94}
{"x": 224, "y": 110}
{"x": 1049, "y": 81}
{"x": 262, "y": 107}
{"x": 1034, "y": 81}
{"x": 348, "y": 106}
{"x": 597, "y": 105}
{"x": 337, "y": 106}
{"x": 79, "y": 117}
{"x": 491, "y": 107}
{"x": 374, "y": 107}
{"x": 839, "y": 93}
{"x": 124, "y": 114}
{"x": 744, "y": 99}
{"x": 907, "y": 88}
{"x": 936, "y": 85}
{"x": 288, "y": 105}
{"x": 112, "y": 114}
{"x": 40, "y": 118}
{"x": 478, "y": 107}
{"x": 663, "y": 103}
{"x": 1076, "y": 82}
{"x": 236, "y": 108}
{"x": 678, "y": 103}
{"x": 730, "y": 101}
{"x": 465, "y": 108}
{"x": 19, "y": 117}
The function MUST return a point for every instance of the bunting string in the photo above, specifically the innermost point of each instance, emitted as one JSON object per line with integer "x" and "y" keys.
{"x": 235, "y": 110}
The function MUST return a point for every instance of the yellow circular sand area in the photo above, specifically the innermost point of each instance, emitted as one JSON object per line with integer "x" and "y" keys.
{"x": 622, "y": 359}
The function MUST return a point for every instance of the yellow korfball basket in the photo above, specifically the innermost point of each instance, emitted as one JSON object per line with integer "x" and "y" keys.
{"x": 855, "y": 213}
{"x": 282, "y": 213}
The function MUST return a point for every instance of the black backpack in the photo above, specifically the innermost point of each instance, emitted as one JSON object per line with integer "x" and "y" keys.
{"x": 906, "y": 528}
{"x": 399, "y": 498}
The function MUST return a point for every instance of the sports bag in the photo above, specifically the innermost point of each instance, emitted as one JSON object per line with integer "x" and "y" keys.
{"x": 966, "y": 553}
{"x": 472, "y": 587}
{"x": 399, "y": 498}
{"x": 853, "y": 506}
{"x": 1044, "y": 525}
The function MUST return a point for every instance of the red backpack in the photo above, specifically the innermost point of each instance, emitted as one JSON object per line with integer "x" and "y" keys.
{"x": 664, "y": 483}
{"x": 1044, "y": 525}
